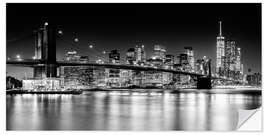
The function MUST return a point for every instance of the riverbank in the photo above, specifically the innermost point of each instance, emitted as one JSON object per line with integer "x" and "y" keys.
{"x": 223, "y": 91}
{"x": 208, "y": 91}
{"x": 43, "y": 92}
{"x": 256, "y": 91}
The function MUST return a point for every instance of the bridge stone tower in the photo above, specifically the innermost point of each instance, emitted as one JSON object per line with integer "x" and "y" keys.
{"x": 205, "y": 81}
{"x": 45, "y": 51}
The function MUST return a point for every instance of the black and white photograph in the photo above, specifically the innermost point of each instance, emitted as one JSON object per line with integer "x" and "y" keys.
{"x": 133, "y": 67}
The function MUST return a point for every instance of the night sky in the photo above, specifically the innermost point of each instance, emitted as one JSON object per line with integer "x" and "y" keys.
{"x": 120, "y": 26}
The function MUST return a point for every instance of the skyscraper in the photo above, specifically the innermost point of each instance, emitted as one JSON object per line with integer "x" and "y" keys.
{"x": 159, "y": 52}
{"x": 130, "y": 56}
{"x": 242, "y": 69}
{"x": 169, "y": 60}
{"x": 114, "y": 57}
{"x": 113, "y": 79}
{"x": 183, "y": 61}
{"x": 230, "y": 58}
{"x": 190, "y": 55}
{"x": 238, "y": 59}
{"x": 220, "y": 51}
{"x": 202, "y": 65}
{"x": 140, "y": 54}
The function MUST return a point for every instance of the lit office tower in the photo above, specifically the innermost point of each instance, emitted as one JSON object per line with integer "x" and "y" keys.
{"x": 169, "y": 60}
{"x": 114, "y": 57}
{"x": 183, "y": 61}
{"x": 202, "y": 65}
{"x": 76, "y": 77}
{"x": 140, "y": 55}
{"x": 130, "y": 56}
{"x": 242, "y": 69}
{"x": 72, "y": 56}
{"x": 238, "y": 60}
{"x": 113, "y": 79}
{"x": 190, "y": 54}
{"x": 159, "y": 52}
{"x": 230, "y": 58}
{"x": 220, "y": 51}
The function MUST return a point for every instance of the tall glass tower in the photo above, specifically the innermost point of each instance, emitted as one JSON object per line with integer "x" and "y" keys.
{"x": 238, "y": 59}
{"x": 140, "y": 55}
{"x": 189, "y": 51}
{"x": 220, "y": 51}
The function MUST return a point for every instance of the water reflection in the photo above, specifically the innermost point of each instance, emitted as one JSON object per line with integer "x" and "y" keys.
{"x": 128, "y": 111}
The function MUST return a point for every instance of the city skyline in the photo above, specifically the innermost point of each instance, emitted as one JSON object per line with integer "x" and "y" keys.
{"x": 168, "y": 31}
{"x": 133, "y": 66}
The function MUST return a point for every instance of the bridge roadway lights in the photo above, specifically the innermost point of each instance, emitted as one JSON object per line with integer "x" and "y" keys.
{"x": 204, "y": 83}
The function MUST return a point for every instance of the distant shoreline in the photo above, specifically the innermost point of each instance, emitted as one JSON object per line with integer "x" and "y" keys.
{"x": 256, "y": 91}
{"x": 185, "y": 90}
{"x": 43, "y": 92}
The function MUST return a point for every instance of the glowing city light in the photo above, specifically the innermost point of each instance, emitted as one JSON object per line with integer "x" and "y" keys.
{"x": 18, "y": 56}
{"x": 76, "y": 40}
{"x": 99, "y": 61}
{"x": 91, "y": 46}
{"x": 60, "y": 32}
{"x": 33, "y": 57}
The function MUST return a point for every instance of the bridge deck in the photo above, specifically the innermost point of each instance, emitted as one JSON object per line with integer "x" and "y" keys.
{"x": 34, "y": 63}
{"x": 114, "y": 66}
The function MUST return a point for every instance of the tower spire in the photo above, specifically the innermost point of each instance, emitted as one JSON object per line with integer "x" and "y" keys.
{"x": 220, "y": 28}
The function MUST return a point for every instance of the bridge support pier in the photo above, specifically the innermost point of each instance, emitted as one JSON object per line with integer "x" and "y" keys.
{"x": 204, "y": 83}
{"x": 51, "y": 70}
{"x": 45, "y": 49}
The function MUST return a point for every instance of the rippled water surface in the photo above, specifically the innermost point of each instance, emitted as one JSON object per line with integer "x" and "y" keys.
{"x": 123, "y": 110}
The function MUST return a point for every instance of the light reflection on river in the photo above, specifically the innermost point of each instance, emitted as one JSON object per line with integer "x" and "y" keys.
{"x": 128, "y": 111}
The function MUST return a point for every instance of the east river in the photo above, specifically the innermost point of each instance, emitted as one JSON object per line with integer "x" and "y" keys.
{"x": 126, "y": 110}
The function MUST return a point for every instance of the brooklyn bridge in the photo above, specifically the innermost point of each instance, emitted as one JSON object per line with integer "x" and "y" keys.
{"x": 45, "y": 63}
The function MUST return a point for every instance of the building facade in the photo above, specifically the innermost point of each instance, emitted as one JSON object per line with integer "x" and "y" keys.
{"x": 230, "y": 59}
{"x": 254, "y": 79}
{"x": 114, "y": 57}
{"x": 131, "y": 56}
{"x": 202, "y": 66}
{"x": 46, "y": 84}
{"x": 77, "y": 77}
{"x": 159, "y": 52}
{"x": 183, "y": 62}
{"x": 190, "y": 57}
{"x": 140, "y": 54}
{"x": 220, "y": 52}
{"x": 169, "y": 61}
